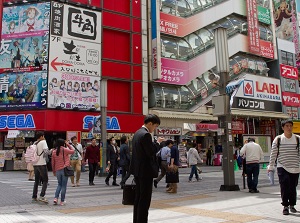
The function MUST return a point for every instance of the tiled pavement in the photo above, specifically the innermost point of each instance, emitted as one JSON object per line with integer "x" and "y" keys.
{"x": 194, "y": 202}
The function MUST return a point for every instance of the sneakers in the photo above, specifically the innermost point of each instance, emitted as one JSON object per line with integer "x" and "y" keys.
{"x": 200, "y": 178}
{"x": 285, "y": 211}
{"x": 155, "y": 183}
{"x": 293, "y": 209}
{"x": 190, "y": 181}
{"x": 34, "y": 200}
{"x": 62, "y": 203}
{"x": 43, "y": 199}
{"x": 55, "y": 201}
{"x": 73, "y": 185}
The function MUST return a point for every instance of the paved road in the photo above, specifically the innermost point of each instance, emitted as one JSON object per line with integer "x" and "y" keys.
{"x": 195, "y": 202}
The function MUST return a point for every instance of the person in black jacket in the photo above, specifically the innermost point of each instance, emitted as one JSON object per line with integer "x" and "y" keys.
{"x": 144, "y": 166}
{"x": 111, "y": 160}
{"x": 124, "y": 160}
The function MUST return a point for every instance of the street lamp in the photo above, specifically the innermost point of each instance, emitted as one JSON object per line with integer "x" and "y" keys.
{"x": 224, "y": 120}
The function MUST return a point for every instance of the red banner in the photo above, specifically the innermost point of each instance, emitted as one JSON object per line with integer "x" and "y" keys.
{"x": 266, "y": 49}
{"x": 206, "y": 127}
{"x": 291, "y": 99}
{"x": 253, "y": 28}
{"x": 288, "y": 71}
{"x": 238, "y": 127}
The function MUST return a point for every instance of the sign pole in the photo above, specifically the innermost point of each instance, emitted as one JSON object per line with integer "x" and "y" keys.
{"x": 103, "y": 103}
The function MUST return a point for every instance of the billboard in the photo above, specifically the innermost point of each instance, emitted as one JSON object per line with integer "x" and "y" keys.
{"x": 23, "y": 90}
{"x": 264, "y": 15}
{"x": 74, "y": 56}
{"x": 155, "y": 37}
{"x": 73, "y": 91}
{"x": 253, "y": 28}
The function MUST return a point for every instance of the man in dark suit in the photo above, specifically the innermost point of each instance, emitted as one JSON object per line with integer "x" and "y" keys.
{"x": 143, "y": 166}
{"x": 111, "y": 160}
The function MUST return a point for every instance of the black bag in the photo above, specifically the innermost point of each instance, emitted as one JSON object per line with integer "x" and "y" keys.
{"x": 172, "y": 177}
{"x": 128, "y": 194}
{"x": 68, "y": 170}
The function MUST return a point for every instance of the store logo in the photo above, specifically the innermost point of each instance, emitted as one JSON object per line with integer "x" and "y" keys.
{"x": 112, "y": 123}
{"x": 248, "y": 88}
{"x": 17, "y": 121}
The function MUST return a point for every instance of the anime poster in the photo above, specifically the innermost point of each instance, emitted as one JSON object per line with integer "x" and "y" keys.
{"x": 20, "y": 53}
{"x": 23, "y": 90}
{"x": 25, "y": 20}
{"x": 71, "y": 91}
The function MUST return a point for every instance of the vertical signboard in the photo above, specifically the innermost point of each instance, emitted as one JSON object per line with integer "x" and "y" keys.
{"x": 155, "y": 38}
{"x": 264, "y": 15}
{"x": 253, "y": 28}
{"x": 74, "y": 57}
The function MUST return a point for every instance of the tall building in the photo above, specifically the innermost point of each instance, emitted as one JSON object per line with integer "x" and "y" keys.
{"x": 261, "y": 38}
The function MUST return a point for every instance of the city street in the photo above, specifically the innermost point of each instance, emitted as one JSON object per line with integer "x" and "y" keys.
{"x": 195, "y": 202}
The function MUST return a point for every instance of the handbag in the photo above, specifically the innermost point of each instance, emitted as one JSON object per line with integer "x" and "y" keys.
{"x": 129, "y": 194}
{"x": 68, "y": 170}
{"x": 172, "y": 175}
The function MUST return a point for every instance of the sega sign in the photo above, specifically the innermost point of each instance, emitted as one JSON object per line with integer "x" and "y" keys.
{"x": 112, "y": 123}
{"x": 17, "y": 121}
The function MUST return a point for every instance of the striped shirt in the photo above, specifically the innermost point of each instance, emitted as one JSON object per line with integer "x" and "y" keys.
{"x": 288, "y": 157}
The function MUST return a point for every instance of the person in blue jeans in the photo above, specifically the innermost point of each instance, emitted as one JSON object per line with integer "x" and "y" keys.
{"x": 60, "y": 160}
{"x": 193, "y": 158}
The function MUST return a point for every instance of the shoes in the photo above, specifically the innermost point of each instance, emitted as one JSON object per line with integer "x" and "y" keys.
{"x": 253, "y": 191}
{"x": 190, "y": 181}
{"x": 107, "y": 183}
{"x": 31, "y": 179}
{"x": 90, "y": 184}
{"x": 172, "y": 191}
{"x": 73, "y": 185}
{"x": 168, "y": 189}
{"x": 55, "y": 201}
{"x": 200, "y": 178}
{"x": 43, "y": 199}
{"x": 285, "y": 211}
{"x": 122, "y": 185}
{"x": 40, "y": 184}
{"x": 62, "y": 203}
{"x": 34, "y": 199}
{"x": 293, "y": 209}
{"x": 93, "y": 184}
{"x": 155, "y": 183}
{"x": 167, "y": 186}
{"x": 115, "y": 184}
{"x": 77, "y": 185}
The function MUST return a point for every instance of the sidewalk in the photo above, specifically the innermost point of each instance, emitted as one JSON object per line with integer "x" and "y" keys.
{"x": 194, "y": 203}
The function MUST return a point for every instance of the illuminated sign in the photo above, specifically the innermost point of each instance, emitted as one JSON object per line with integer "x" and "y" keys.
{"x": 17, "y": 121}
{"x": 90, "y": 122}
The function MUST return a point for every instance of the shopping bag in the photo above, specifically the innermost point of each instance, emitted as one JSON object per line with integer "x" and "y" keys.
{"x": 128, "y": 194}
{"x": 172, "y": 177}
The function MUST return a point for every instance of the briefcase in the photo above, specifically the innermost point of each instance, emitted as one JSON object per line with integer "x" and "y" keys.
{"x": 128, "y": 194}
{"x": 172, "y": 177}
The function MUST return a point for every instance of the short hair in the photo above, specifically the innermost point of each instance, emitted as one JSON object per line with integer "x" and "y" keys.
{"x": 123, "y": 139}
{"x": 169, "y": 141}
{"x": 93, "y": 138}
{"x": 74, "y": 137}
{"x": 283, "y": 122}
{"x": 110, "y": 139}
{"x": 39, "y": 134}
{"x": 194, "y": 145}
{"x": 152, "y": 118}
{"x": 251, "y": 139}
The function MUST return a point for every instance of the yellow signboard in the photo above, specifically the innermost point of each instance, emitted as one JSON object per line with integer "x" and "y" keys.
{"x": 296, "y": 127}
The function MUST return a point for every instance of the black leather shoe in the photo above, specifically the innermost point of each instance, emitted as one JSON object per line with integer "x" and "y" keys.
{"x": 122, "y": 185}
{"x": 107, "y": 183}
{"x": 155, "y": 183}
{"x": 115, "y": 184}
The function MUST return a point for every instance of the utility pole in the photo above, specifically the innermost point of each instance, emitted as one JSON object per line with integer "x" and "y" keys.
{"x": 224, "y": 120}
{"x": 103, "y": 105}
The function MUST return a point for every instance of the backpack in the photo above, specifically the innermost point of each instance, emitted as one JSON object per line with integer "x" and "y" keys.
{"x": 278, "y": 144}
{"x": 31, "y": 155}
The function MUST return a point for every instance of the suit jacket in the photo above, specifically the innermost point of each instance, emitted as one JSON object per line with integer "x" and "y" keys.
{"x": 111, "y": 155}
{"x": 124, "y": 155}
{"x": 143, "y": 154}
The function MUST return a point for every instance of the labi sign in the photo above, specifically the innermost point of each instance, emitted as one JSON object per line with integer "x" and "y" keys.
{"x": 264, "y": 15}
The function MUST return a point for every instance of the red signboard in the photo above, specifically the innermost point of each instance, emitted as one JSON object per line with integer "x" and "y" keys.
{"x": 291, "y": 99}
{"x": 206, "y": 127}
{"x": 253, "y": 28}
{"x": 266, "y": 49}
{"x": 238, "y": 127}
{"x": 288, "y": 71}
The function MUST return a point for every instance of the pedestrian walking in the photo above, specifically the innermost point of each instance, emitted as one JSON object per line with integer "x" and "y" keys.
{"x": 76, "y": 159}
{"x": 209, "y": 154}
{"x": 124, "y": 160}
{"x": 60, "y": 160}
{"x": 253, "y": 154}
{"x": 112, "y": 157}
{"x": 193, "y": 158}
{"x": 40, "y": 167}
{"x": 173, "y": 166}
{"x": 165, "y": 161}
{"x": 93, "y": 156}
{"x": 144, "y": 166}
{"x": 285, "y": 152}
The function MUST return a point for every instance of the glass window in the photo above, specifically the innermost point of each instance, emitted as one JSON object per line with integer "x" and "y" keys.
{"x": 195, "y": 5}
{"x": 171, "y": 96}
{"x": 206, "y": 3}
{"x": 228, "y": 25}
{"x": 284, "y": 59}
{"x": 206, "y": 36}
{"x": 195, "y": 42}
{"x": 290, "y": 59}
{"x": 186, "y": 98}
{"x": 263, "y": 32}
{"x": 185, "y": 51}
{"x": 270, "y": 34}
{"x": 158, "y": 95}
{"x": 183, "y": 8}
{"x": 252, "y": 65}
{"x": 289, "y": 85}
{"x": 168, "y": 47}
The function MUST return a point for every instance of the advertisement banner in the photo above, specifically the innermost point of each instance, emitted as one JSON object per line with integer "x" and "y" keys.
{"x": 258, "y": 93}
{"x": 288, "y": 71}
{"x": 74, "y": 56}
{"x": 155, "y": 37}
{"x": 253, "y": 28}
{"x": 238, "y": 126}
{"x": 266, "y": 49}
{"x": 73, "y": 91}
{"x": 25, "y": 20}
{"x": 23, "y": 90}
{"x": 24, "y": 54}
{"x": 292, "y": 112}
{"x": 168, "y": 131}
{"x": 291, "y": 99}
{"x": 289, "y": 85}
{"x": 264, "y": 15}
{"x": 76, "y": 23}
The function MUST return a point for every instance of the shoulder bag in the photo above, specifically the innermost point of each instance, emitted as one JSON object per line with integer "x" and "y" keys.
{"x": 68, "y": 170}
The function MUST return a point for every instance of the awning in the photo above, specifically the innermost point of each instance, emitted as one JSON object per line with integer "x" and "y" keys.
{"x": 183, "y": 115}
{"x": 253, "y": 113}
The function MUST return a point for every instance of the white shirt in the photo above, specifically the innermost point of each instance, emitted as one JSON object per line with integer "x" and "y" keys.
{"x": 253, "y": 152}
{"x": 41, "y": 146}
